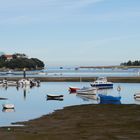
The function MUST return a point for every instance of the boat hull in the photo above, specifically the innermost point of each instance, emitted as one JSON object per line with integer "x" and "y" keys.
{"x": 86, "y": 90}
{"x": 8, "y": 106}
{"x": 73, "y": 89}
{"x": 102, "y": 86}
{"x": 54, "y": 97}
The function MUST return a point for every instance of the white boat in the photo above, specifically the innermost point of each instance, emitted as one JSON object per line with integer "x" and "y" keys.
{"x": 87, "y": 90}
{"x": 42, "y": 73}
{"x": 102, "y": 83}
{"x": 24, "y": 82}
{"x": 8, "y": 83}
{"x": 137, "y": 96}
{"x": 12, "y": 83}
{"x": 54, "y": 97}
{"x": 8, "y": 106}
{"x": 29, "y": 82}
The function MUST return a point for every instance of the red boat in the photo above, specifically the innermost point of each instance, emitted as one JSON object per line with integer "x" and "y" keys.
{"x": 73, "y": 89}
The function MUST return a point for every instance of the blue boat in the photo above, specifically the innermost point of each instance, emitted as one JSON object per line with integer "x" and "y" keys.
{"x": 102, "y": 83}
{"x": 109, "y": 97}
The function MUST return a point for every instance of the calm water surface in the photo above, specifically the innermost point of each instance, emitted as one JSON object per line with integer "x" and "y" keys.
{"x": 31, "y": 103}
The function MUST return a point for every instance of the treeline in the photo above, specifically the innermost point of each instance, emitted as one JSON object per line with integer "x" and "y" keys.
{"x": 20, "y": 63}
{"x": 131, "y": 63}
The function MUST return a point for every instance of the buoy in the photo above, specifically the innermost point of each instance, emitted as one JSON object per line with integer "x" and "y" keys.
{"x": 119, "y": 88}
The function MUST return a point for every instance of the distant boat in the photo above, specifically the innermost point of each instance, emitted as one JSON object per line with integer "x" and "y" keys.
{"x": 9, "y": 72}
{"x": 42, "y": 73}
{"x": 102, "y": 83}
{"x": 54, "y": 96}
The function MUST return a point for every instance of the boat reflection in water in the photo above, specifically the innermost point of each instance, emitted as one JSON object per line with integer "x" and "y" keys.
{"x": 88, "y": 98}
{"x": 8, "y": 110}
{"x": 109, "y": 102}
{"x": 108, "y": 99}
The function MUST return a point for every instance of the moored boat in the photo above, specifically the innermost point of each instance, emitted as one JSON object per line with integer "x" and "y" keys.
{"x": 54, "y": 96}
{"x": 87, "y": 90}
{"x": 102, "y": 83}
{"x": 137, "y": 95}
{"x": 8, "y": 106}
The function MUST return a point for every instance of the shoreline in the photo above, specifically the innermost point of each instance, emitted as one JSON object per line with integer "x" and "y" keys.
{"x": 78, "y": 79}
{"x": 81, "y": 122}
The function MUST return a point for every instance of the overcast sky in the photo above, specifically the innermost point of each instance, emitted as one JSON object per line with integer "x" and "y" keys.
{"x": 72, "y": 32}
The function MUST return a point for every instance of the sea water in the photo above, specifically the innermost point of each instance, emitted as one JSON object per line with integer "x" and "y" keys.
{"x": 32, "y": 102}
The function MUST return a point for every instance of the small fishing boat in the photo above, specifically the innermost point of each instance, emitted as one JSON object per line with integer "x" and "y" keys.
{"x": 12, "y": 83}
{"x": 54, "y": 96}
{"x": 109, "y": 97}
{"x": 102, "y": 83}
{"x": 87, "y": 90}
{"x": 8, "y": 106}
{"x": 73, "y": 89}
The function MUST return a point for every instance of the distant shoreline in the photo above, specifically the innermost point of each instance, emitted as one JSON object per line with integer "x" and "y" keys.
{"x": 79, "y": 79}
{"x": 112, "y": 67}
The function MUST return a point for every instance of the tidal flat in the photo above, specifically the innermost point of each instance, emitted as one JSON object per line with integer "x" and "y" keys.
{"x": 98, "y": 122}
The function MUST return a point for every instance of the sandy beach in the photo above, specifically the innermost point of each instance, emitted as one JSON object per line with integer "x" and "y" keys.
{"x": 98, "y": 122}
{"x": 77, "y": 79}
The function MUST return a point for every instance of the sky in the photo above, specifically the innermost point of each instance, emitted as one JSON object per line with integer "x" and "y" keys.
{"x": 72, "y": 32}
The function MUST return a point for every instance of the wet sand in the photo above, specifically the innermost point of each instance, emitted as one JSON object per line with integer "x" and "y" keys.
{"x": 84, "y": 122}
{"x": 78, "y": 79}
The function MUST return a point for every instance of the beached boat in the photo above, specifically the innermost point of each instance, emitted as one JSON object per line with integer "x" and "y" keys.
{"x": 109, "y": 97}
{"x": 8, "y": 106}
{"x": 87, "y": 90}
{"x": 54, "y": 96}
{"x": 73, "y": 89}
{"x": 102, "y": 83}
